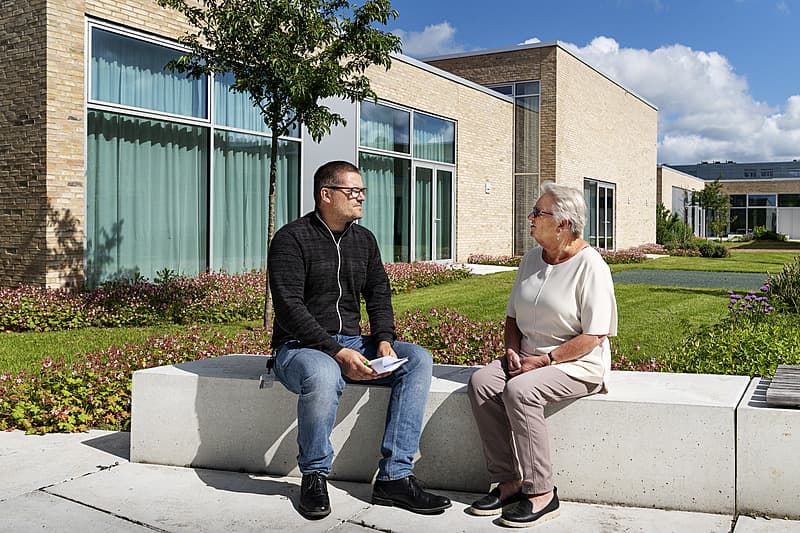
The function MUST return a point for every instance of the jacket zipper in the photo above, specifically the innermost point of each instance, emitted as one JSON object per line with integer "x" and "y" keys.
{"x": 338, "y": 267}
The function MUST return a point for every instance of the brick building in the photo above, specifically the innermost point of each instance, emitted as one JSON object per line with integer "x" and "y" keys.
{"x": 577, "y": 126}
{"x": 110, "y": 165}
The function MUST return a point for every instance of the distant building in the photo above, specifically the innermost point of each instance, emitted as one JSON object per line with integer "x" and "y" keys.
{"x": 762, "y": 194}
{"x": 676, "y": 190}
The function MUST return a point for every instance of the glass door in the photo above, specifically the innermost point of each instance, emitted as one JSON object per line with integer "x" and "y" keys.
{"x": 433, "y": 213}
{"x": 599, "y": 228}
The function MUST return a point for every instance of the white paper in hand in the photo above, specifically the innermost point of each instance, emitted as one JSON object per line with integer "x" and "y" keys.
{"x": 386, "y": 364}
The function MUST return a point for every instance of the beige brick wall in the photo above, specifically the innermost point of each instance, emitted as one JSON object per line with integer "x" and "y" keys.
{"x": 484, "y": 134}
{"x": 23, "y": 189}
{"x": 667, "y": 178}
{"x": 519, "y": 65}
{"x": 604, "y": 132}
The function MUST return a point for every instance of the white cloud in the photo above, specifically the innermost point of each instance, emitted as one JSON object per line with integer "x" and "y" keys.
{"x": 706, "y": 111}
{"x": 532, "y": 40}
{"x": 436, "y": 39}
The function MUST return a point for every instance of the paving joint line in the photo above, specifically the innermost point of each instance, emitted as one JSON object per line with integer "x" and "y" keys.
{"x": 107, "y": 512}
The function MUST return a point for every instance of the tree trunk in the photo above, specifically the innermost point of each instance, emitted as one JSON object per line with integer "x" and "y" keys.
{"x": 273, "y": 178}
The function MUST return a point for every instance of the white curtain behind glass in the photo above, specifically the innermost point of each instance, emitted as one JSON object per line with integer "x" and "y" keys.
{"x": 146, "y": 197}
{"x": 379, "y": 216}
{"x": 132, "y": 72}
{"x": 241, "y": 198}
{"x": 434, "y": 139}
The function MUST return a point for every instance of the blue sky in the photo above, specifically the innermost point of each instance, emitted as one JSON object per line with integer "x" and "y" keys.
{"x": 725, "y": 74}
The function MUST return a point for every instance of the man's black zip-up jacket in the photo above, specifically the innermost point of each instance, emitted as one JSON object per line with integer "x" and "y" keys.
{"x": 317, "y": 277}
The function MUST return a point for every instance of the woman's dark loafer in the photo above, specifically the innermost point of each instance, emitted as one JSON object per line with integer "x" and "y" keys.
{"x": 491, "y": 504}
{"x": 522, "y": 515}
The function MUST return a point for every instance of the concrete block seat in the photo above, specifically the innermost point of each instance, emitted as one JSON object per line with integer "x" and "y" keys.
{"x": 656, "y": 440}
{"x": 767, "y": 444}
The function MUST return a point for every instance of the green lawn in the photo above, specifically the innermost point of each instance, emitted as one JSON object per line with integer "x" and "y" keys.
{"x": 650, "y": 317}
{"x": 739, "y": 261}
{"x": 27, "y": 350}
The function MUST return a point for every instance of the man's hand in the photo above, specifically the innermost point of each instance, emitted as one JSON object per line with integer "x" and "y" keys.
{"x": 354, "y": 365}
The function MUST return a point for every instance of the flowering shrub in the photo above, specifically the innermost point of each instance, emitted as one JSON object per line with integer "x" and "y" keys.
{"x": 208, "y": 298}
{"x": 616, "y": 257}
{"x": 651, "y": 248}
{"x": 620, "y": 362}
{"x": 499, "y": 260}
{"x": 684, "y": 252}
{"x": 785, "y": 287}
{"x": 451, "y": 337}
{"x": 750, "y": 306}
{"x": 95, "y": 392}
{"x": 407, "y": 276}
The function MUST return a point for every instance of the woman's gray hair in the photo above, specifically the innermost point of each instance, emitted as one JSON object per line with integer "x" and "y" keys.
{"x": 568, "y": 204}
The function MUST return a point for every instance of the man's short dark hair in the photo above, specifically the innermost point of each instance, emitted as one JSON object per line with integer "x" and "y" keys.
{"x": 328, "y": 174}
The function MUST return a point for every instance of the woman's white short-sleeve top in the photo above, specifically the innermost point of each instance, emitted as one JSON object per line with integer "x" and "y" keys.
{"x": 554, "y": 303}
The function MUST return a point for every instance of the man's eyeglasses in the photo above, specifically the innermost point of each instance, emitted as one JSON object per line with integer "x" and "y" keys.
{"x": 351, "y": 192}
{"x": 538, "y": 212}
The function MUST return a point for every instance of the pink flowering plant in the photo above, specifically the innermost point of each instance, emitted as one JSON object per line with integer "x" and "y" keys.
{"x": 95, "y": 392}
{"x": 498, "y": 260}
{"x": 212, "y": 297}
{"x": 404, "y": 277}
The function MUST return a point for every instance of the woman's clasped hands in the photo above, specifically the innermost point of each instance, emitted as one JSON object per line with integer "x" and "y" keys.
{"x": 519, "y": 362}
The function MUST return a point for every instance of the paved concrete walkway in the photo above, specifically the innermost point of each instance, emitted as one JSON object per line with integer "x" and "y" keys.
{"x": 693, "y": 279}
{"x": 84, "y": 483}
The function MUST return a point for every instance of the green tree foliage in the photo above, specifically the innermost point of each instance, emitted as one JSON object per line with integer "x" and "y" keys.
{"x": 717, "y": 205}
{"x": 288, "y": 56}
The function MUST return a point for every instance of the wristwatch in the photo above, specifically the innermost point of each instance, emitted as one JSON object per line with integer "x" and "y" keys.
{"x": 550, "y": 356}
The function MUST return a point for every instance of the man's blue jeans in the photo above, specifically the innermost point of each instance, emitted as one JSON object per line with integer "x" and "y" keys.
{"x": 317, "y": 378}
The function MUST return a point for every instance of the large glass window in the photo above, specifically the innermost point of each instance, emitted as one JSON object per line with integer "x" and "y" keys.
{"x": 235, "y": 110}
{"x": 241, "y": 197}
{"x": 434, "y": 138}
{"x": 789, "y": 200}
{"x": 387, "y": 210}
{"x": 183, "y": 185}
{"x": 526, "y": 96}
{"x": 409, "y": 211}
{"x": 385, "y": 128}
{"x": 146, "y": 196}
{"x": 751, "y": 210}
{"x": 132, "y": 72}
{"x": 761, "y": 200}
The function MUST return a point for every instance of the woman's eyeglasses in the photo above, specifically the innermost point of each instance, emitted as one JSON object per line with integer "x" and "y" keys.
{"x": 538, "y": 212}
{"x": 351, "y": 192}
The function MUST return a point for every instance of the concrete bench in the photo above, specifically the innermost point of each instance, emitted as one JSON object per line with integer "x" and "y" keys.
{"x": 767, "y": 445}
{"x": 656, "y": 440}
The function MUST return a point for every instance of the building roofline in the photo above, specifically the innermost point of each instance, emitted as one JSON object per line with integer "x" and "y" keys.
{"x": 711, "y": 163}
{"x": 450, "y": 76}
{"x": 680, "y": 172}
{"x": 557, "y": 44}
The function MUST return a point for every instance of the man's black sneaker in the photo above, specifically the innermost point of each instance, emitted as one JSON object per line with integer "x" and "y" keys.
{"x": 314, "y": 501}
{"x": 407, "y": 494}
